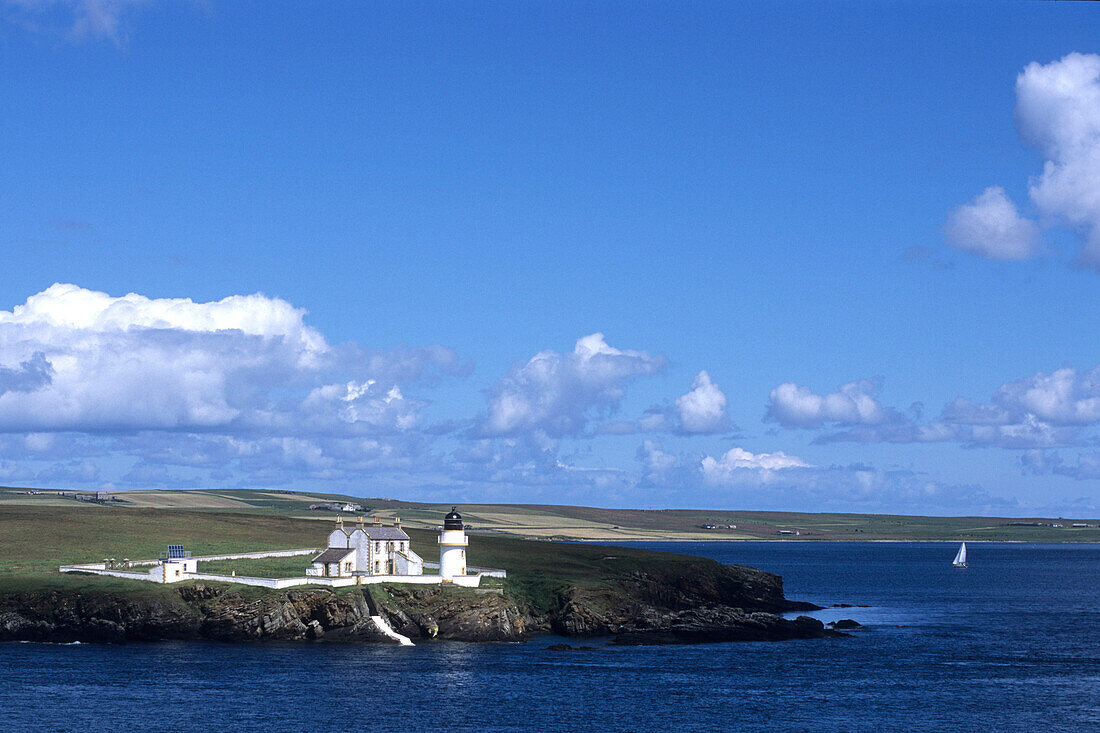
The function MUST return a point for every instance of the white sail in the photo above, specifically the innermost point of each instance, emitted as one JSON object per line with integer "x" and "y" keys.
{"x": 960, "y": 557}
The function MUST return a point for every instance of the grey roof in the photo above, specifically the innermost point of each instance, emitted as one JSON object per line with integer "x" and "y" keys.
{"x": 385, "y": 533}
{"x": 333, "y": 554}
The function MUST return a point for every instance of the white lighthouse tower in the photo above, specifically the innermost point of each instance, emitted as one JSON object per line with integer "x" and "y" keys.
{"x": 452, "y": 547}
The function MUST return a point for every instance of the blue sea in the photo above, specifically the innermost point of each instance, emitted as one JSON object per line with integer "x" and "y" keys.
{"x": 1012, "y": 643}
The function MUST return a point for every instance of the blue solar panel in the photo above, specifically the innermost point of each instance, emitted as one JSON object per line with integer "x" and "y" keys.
{"x": 175, "y": 551}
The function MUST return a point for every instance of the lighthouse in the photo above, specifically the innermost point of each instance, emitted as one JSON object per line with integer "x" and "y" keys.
{"x": 452, "y": 547}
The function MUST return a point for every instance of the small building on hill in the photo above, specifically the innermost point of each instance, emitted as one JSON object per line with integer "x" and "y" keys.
{"x": 175, "y": 566}
{"x": 368, "y": 549}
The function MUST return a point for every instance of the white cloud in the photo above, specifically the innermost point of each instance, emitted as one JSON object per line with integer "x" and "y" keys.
{"x": 555, "y": 393}
{"x": 991, "y": 227}
{"x": 77, "y": 360}
{"x": 792, "y": 405}
{"x": 1063, "y": 397}
{"x": 738, "y": 461}
{"x": 658, "y": 465}
{"x": 363, "y": 403}
{"x": 1058, "y": 113}
{"x": 703, "y": 409}
{"x": 134, "y": 362}
{"x": 1040, "y": 411}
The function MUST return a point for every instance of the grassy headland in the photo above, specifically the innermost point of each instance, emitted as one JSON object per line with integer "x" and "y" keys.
{"x": 35, "y": 540}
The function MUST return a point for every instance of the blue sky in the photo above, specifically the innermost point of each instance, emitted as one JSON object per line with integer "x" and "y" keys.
{"x": 842, "y": 256}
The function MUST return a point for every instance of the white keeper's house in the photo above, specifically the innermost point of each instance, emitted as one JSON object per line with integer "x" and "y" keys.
{"x": 368, "y": 549}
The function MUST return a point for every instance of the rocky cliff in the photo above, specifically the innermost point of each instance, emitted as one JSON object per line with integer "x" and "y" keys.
{"x": 714, "y": 603}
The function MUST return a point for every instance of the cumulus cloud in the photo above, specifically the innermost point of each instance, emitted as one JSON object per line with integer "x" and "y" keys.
{"x": 1038, "y": 412}
{"x": 736, "y": 467}
{"x": 93, "y": 362}
{"x": 736, "y": 461}
{"x": 991, "y": 227}
{"x": 1063, "y": 397}
{"x": 134, "y": 362}
{"x": 703, "y": 409}
{"x": 1039, "y": 462}
{"x": 700, "y": 411}
{"x": 782, "y": 481}
{"x": 1058, "y": 113}
{"x": 556, "y": 394}
{"x": 854, "y": 403}
{"x": 240, "y": 386}
{"x": 659, "y": 467}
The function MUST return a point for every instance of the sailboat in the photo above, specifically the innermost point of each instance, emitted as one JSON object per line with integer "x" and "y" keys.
{"x": 960, "y": 557}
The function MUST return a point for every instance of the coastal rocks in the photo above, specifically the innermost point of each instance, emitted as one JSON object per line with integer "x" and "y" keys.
{"x": 711, "y": 583}
{"x": 64, "y": 617}
{"x": 604, "y": 612}
{"x": 716, "y": 603}
{"x": 457, "y": 614}
{"x": 846, "y": 623}
{"x": 294, "y": 616}
{"x": 725, "y": 624}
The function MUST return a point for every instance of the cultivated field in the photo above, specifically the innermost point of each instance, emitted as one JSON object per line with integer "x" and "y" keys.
{"x": 561, "y": 522}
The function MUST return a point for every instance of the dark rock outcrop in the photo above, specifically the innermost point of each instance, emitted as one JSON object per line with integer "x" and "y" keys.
{"x": 846, "y": 623}
{"x": 452, "y": 613}
{"x": 63, "y": 617}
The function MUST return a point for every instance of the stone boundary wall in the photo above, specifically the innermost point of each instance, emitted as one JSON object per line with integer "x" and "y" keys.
{"x": 468, "y": 581}
{"x": 98, "y": 568}
{"x": 242, "y": 556}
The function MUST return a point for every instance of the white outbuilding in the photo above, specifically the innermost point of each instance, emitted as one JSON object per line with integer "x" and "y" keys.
{"x": 175, "y": 566}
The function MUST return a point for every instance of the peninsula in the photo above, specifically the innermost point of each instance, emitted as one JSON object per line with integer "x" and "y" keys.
{"x": 635, "y": 596}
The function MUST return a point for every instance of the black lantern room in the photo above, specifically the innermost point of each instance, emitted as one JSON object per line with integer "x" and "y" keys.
{"x": 453, "y": 520}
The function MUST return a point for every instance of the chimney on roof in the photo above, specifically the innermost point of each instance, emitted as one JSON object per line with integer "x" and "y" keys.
{"x": 377, "y": 520}
{"x": 359, "y": 522}
{"x": 397, "y": 521}
{"x": 339, "y": 522}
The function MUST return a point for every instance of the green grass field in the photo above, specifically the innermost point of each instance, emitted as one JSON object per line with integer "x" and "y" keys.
{"x": 267, "y": 567}
{"x": 35, "y": 540}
